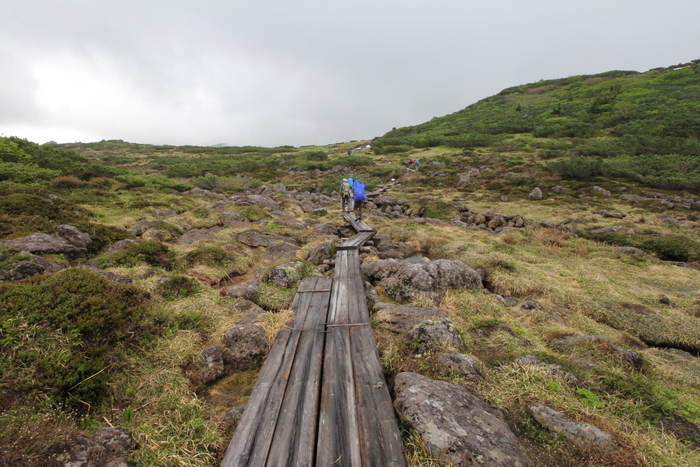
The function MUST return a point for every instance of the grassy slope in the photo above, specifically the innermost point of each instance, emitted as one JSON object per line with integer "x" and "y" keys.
{"x": 583, "y": 286}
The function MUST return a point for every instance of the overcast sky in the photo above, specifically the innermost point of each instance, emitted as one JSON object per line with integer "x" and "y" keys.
{"x": 303, "y": 72}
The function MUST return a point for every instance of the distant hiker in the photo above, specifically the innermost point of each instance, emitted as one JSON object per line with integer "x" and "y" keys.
{"x": 360, "y": 197}
{"x": 409, "y": 162}
{"x": 417, "y": 162}
{"x": 346, "y": 194}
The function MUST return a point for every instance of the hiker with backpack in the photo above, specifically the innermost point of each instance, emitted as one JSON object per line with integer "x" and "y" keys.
{"x": 346, "y": 195}
{"x": 360, "y": 197}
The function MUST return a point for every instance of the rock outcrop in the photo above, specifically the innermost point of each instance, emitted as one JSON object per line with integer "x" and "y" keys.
{"x": 455, "y": 425}
{"x": 403, "y": 281}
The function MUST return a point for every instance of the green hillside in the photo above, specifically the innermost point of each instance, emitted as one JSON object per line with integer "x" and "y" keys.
{"x": 658, "y": 107}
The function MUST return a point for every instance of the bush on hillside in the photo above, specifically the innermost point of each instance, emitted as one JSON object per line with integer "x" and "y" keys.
{"x": 176, "y": 287}
{"x": 150, "y": 252}
{"x": 60, "y": 332}
{"x": 577, "y": 167}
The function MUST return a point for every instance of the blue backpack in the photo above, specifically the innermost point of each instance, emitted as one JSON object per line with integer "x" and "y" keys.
{"x": 359, "y": 191}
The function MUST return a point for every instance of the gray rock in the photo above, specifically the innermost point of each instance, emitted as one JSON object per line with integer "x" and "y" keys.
{"x": 142, "y": 227}
{"x": 318, "y": 254}
{"x": 211, "y": 363}
{"x": 319, "y": 212}
{"x": 371, "y": 296}
{"x": 630, "y": 250}
{"x": 531, "y": 305}
{"x": 257, "y": 239}
{"x": 22, "y": 270}
{"x": 74, "y": 236}
{"x": 396, "y": 250}
{"x": 613, "y": 228}
{"x": 118, "y": 246}
{"x": 232, "y": 417}
{"x": 196, "y": 235}
{"x": 43, "y": 244}
{"x": 601, "y": 191}
{"x": 404, "y": 280}
{"x": 167, "y": 214}
{"x": 326, "y": 229}
{"x": 110, "y": 447}
{"x": 433, "y": 335}
{"x": 401, "y": 318}
{"x": 280, "y": 250}
{"x": 535, "y": 195}
{"x": 560, "y": 189}
{"x": 248, "y": 308}
{"x": 229, "y": 217}
{"x": 460, "y": 364}
{"x": 286, "y": 275}
{"x": 245, "y": 345}
{"x": 581, "y": 434}
{"x": 278, "y": 188}
{"x": 455, "y": 425}
{"x": 248, "y": 290}
{"x": 264, "y": 201}
{"x": 292, "y": 224}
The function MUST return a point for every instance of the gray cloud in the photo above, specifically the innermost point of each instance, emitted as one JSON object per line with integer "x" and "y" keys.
{"x": 304, "y": 72}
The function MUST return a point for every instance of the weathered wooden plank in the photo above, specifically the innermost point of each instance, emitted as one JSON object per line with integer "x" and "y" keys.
{"x": 380, "y": 438}
{"x": 337, "y": 442}
{"x": 356, "y": 241}
{"x": 379, "y": 435}
{"x": 356, "y": 224}
{"x": 294, "y": 439}
{"x": 251, "y": 439}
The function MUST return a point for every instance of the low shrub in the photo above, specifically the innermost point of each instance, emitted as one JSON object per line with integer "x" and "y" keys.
{"x": 178, "y": 286}
{"x": 665, "y": 247}
{"x": 60, "y": 332}
{"x": 577, "y": 167}
{"x": 68, "y": 181}
{"x": 151, "y": 252}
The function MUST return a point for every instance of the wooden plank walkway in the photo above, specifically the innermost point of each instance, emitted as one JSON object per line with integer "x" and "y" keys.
{"x": 357, "y": 224}
{"x": 321, "y": 398}
{"x": 356, "y": 242}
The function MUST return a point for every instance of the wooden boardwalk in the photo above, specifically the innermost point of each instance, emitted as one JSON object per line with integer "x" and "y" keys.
{"x": 321, "y": 398}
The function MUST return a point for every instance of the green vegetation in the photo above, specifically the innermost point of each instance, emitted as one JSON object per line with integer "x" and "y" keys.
{"x": 78, "y": 352}
{"x": 61, "y": 332}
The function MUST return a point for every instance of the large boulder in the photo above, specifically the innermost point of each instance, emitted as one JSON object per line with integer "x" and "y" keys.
{"x": 74, "y": 236}
{"x": 43, "y": 244}
{"x": 245, "y": 345}
{"x": 432, "y": 335}
{"x": 402, "y": 281}
{"x": 318, "y": 254}
{"x": 286, "y": 275}
{"x": 455, "y": 425}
